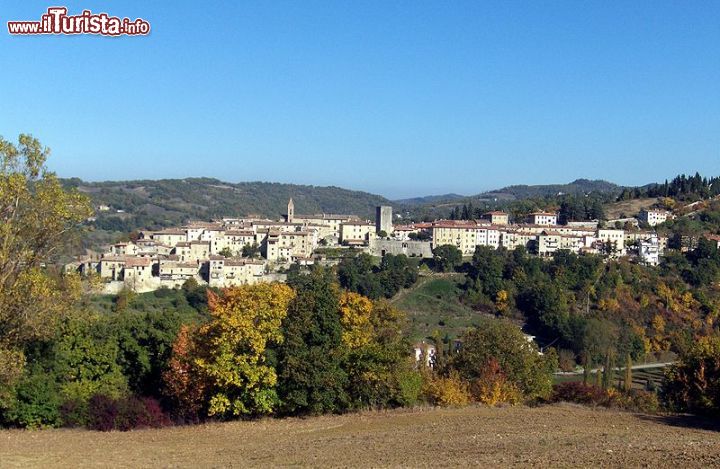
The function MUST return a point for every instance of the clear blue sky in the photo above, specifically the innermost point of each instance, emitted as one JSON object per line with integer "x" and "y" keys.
{"x": 400, "y": 98}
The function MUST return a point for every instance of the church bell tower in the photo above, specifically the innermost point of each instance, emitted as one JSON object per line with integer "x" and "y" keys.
{"x": 290, "y": 211}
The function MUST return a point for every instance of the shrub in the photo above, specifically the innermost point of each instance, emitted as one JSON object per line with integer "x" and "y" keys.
{"x": 37, "y": 403}
{"x": 579, "y": 393}
{"x": 106, "y": 413}
{"x": 519, "y": 360}
{"x": 102, "y": 413}
{"x": 492, "y": 387}
{"x": 154, "y": 416}
{"x": 410, "y": 385}
{"x": 633, "y": 400}
{"x": 448, "y": 391}
{"x": 566, "y": 360}
{"x": 644, "y": 401}
{"x": 74, "y": 413}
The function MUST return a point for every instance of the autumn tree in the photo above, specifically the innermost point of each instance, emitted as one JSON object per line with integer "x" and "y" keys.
{"x": 231, "y": 348}
{"x": 183, "y": 385}
{"x": 693, "y": 384}
{"x": 38, "y": 218}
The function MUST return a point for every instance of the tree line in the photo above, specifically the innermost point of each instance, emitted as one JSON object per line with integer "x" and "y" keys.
{"x": 680, "y": 187}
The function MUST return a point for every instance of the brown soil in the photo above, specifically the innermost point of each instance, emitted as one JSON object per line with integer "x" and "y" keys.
{"x": 560, "y": 435}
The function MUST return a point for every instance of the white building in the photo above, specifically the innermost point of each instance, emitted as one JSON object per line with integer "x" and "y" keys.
{"x": 649, "y": 251}
{"x": 653, "y": 217}
{"x": 543, "y": 218}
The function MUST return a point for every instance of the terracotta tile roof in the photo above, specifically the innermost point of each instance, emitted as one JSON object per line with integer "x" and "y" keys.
{"x": 139, "y": 262}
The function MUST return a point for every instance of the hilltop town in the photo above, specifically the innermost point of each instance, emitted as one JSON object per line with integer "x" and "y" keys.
{"x": 242, "y": 251}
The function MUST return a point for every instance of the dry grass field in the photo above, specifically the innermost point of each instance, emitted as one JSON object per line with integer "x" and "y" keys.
{"x": 628, "y": 208}
{"x": 559, "y": 435}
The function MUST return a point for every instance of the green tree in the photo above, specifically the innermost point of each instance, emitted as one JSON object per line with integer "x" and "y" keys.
{"x": 226, "y": 252}
{"x": 376, "y": 355}
{"x": 312, "y": 380}
{"x": 251, "y": 250}
{"x": 502, "y": 342}
{"x": 446, "y": 258}
{"x": 145, "y": 344}
{"x": 600, "y": 341}
{"x": 86, "y": 357}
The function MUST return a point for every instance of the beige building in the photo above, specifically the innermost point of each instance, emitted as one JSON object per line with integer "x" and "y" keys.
{"x": 356, "y": 232}
{"x": 173, "y": 269}
{"x": 281, "y": 246}
{"x": 331, "y": 221}
{"x": 616, "y": 237}
{"x": 112, "y": 267}
{"x": 462, "y": 235}
{"x": 192, "y": 251}
{"x": 151, "y": 247}
{"x": 511, "y": 239}
{"x": 497, "y": 218}
{"x": 224, "y": 272}
{"x": 234, "y": 240}
{"x": 403, "y": 232}
{"x": 123, "y": 249}
{"x": 170, "y": 237}
{"x": 138, "y": 271}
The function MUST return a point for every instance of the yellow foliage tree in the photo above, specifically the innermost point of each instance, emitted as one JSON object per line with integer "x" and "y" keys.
{"x": 501, "y": 301}
{"x": 449, "y": 391}
{"x": 37, "y": 220}
{"x": 231, "y": 348}
{"x": 356, "y": 312}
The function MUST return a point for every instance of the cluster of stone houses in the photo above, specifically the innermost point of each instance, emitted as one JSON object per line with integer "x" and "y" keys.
{"x": 213, "y": 252}
{"x": 222, "y": 253}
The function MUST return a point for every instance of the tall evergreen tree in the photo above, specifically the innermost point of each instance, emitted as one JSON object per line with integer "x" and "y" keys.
{"x": 311, "y": 380}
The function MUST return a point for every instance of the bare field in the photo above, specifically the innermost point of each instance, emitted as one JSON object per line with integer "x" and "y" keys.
{"x": 559, "y": 435}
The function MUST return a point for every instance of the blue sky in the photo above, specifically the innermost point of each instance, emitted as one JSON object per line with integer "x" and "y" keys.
{"x": 400, "y": 98}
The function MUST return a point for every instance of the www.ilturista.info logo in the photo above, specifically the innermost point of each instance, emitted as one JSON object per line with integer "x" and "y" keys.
{"x": 57, "y": 21}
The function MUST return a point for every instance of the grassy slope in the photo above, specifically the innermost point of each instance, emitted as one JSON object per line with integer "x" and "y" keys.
{"x": 434, "y": 304}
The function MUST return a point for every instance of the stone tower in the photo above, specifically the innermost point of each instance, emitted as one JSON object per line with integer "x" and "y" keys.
{"x": 383, "y": 220}
{"x": 290, "y": 211}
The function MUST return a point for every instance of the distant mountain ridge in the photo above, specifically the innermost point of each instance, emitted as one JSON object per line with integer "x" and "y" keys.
{"x": 429, "y": 199}
{"x": 168, "y": 202}
{"x": 152, "y": 204}
{"x": 578, "y": 186}
{"x": 517, "y": 192}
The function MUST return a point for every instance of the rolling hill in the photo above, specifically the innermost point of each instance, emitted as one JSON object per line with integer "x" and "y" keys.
{"x": 579, "y": 186}
{"x": 167, "y": 202}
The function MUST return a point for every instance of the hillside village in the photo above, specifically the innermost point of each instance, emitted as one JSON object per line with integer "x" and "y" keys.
{"x": 241, "y": 251}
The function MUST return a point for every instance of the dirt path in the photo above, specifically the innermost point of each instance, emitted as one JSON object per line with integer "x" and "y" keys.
{"x": 563, "y": 435}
